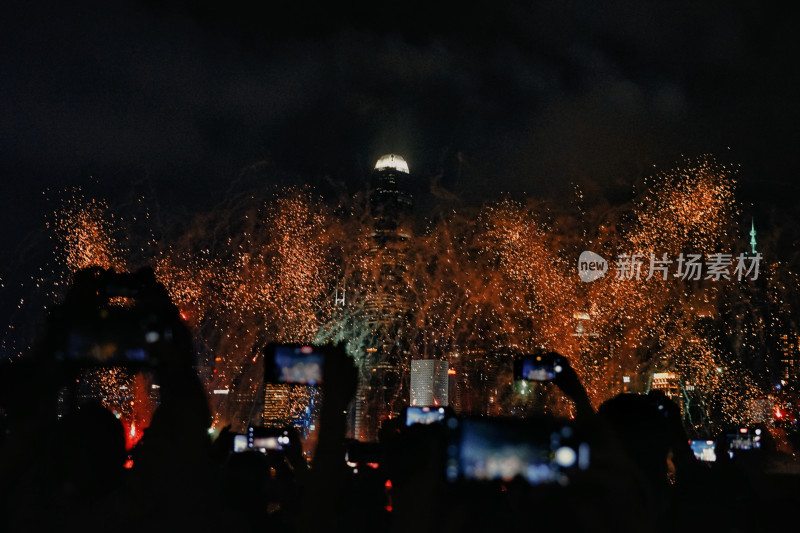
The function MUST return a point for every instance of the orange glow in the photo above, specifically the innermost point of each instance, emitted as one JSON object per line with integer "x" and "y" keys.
{"x": 499, "y": 275}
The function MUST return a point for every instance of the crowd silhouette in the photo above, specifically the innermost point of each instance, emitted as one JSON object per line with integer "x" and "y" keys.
{"x": 69, "y": 470}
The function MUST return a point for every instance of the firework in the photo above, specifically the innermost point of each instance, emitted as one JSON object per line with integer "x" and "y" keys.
{"x": 471, "y": 287}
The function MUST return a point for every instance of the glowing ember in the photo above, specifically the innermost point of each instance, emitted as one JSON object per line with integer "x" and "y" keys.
{"x": 471, "y": 287}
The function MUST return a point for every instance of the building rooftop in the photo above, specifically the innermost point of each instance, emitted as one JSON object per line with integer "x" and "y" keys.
{"x": 392, "y": 161}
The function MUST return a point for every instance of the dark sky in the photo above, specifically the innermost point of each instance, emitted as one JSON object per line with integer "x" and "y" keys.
{"x": 177, "y": 98}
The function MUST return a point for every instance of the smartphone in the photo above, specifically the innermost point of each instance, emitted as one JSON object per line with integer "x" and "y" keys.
{"x": 110, "y": 337}
{"x": 261, "y": 439}
{"x": 744, "y": 439}
{"x": 538, "y": 367}
{"x": 704, "y": 450}
{"x": 543, "y": 451}
{"x": 299, "y": 364}
{"x": 114, "y": 319}
{"x": 424, "y": 415}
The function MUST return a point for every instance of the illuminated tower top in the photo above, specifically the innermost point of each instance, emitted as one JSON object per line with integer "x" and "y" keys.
{"x": 752, "y": 237}
{"x": 391, "y": 200}
{"x": 392, "y": 161}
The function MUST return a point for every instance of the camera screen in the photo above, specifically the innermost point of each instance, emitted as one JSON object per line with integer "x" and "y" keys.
{"x": 267, "y": 443}
{"x": 102, "y": 351}
{"x": 543, "y": 367}
{"x": 537, "y": 371}
{"x": 704, "y": 450}
{"x": 424, "y": 415}
{"x": 295, "y": 364}
{"x": 240, "y": 443}
{"x": 261, "y": 439}
{"x": 487, "y": 450}
{"x": 745, "y": 439}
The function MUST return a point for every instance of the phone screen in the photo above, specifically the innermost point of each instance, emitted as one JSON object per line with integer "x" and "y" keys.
{"x": 704, "y": 450}
{"x": 298, "y": 364}
{"x": 424, "y": 415}
{"x": 113, "y": 336}
{"x": 502, "y": 450}
{"x": 544, "y": 367}
{"x": 240, "y": 443}
{"x": 261, "y": 439}
{"x": 745, "y": 439}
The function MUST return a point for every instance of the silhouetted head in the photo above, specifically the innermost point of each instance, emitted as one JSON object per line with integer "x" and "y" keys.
{"x": 91, "y": 448}
{"x": 644, "y": 425}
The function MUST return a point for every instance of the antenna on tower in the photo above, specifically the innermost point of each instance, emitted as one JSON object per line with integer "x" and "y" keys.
{"x": 338, "y": 297}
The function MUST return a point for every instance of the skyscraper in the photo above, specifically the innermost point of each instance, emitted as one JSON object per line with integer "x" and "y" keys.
{"x": 390, "y": 208}
{"x": 390, "y": 200}
{"x": 379, "y": 394}
{"x": 789, "y": 354}
{"x": 429, "y": 382}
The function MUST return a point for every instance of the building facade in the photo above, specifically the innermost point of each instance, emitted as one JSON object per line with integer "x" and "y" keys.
{"x": 429, "y": 383}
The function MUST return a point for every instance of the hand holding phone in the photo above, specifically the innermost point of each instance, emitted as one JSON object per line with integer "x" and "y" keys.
{"x": 554, "y": 367}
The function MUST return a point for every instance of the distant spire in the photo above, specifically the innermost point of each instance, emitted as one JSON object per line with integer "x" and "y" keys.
{"x": 752, "y": 237}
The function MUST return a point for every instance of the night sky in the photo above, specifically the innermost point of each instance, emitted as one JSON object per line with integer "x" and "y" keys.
{"x": 174, "y": 100}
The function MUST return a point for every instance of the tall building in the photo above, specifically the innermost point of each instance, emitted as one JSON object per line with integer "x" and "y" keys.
{"x": 429, "y": 382}
{"x": 790, "y": 355}
{"x": 390, "y": 199}
{"x": 390, "y": 208}
{"x": 385, "y": 306}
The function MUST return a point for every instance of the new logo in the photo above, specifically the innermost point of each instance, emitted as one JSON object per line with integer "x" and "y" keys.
{"x": 591, "y": 266}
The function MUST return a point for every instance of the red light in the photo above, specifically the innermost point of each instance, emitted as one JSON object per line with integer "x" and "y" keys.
{"x": 778, "y": 413}
{"x": 388, "y": 508}
{"x": 215, "y": 370}
{"x": 373, "y": 465}
{"x": 451, "y": 371}
{"x": 184, "y": 316}
{"x": 388, "y": 484}
{"x": 128, "y": 464}
{"x": 306, "y": 349}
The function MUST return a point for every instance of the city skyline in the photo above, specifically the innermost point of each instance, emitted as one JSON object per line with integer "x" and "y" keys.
{"x": 188, "y": 137}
